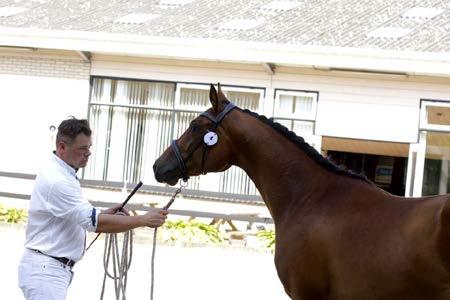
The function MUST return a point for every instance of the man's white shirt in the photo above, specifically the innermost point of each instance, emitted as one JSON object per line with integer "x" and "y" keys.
{"x": 59, "y": 216}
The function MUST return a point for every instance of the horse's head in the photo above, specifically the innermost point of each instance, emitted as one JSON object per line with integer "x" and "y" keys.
{"x": 204, "y": 147}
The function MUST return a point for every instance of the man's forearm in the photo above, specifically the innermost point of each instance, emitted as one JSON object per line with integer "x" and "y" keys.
{"x": 116, "y": 223}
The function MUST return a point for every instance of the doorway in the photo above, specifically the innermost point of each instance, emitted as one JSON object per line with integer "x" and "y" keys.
{"x": 383, "y": 163}
{"x": 387, "y": 172}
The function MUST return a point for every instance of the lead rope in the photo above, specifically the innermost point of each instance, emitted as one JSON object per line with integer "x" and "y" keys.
{"x": 121, "y": 262}
{"x": 183, "y": 184}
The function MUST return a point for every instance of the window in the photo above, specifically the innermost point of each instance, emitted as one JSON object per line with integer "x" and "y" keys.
{"x": 435, "y": 128}
{"x": 297, "y": 111}
{"x": 134, "y": 121}
{"x": 196, "y": 97}
{"x": 131, "y": 123}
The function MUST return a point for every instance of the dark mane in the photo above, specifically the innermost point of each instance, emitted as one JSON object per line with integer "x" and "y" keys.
{"x": 310, "y": 151}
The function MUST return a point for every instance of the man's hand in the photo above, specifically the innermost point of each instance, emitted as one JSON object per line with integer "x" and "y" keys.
{"x": 110, "y": 222}
{"x": 113, "y": 210}
{"x": 155, "y": 217}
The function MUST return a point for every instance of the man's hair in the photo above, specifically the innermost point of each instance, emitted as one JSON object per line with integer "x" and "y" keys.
{"x": 69, "y": 129}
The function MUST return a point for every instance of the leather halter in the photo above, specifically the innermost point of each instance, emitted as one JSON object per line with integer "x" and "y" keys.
{"x": 176, "y": 150}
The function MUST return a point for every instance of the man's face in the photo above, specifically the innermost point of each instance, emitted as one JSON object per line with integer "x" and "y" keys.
{"x": 77, "y": 153}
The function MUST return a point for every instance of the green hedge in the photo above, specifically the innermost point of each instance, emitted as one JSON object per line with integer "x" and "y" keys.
{"x": 12, "y": 215}
{"x": 190, "y": 231}
{"x": 196, "y": 232}
{"x": 267, "y": 237}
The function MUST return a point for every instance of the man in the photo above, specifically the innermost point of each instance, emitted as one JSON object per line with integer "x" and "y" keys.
{"x": 59, "y": 217}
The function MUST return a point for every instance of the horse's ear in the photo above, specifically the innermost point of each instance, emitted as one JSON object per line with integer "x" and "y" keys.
{"x": 213, "y": 98}
{"x": 221, "y": 96}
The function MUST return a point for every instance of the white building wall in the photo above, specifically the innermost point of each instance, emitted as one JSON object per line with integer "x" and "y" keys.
{"x": 375, "y": 109}
{"x": 37, "y": 91}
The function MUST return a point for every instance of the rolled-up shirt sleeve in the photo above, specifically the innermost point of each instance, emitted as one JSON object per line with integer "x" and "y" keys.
{"x": 65, "y": 201}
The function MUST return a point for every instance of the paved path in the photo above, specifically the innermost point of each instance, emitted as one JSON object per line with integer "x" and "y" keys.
{"x": 204, "y": 273}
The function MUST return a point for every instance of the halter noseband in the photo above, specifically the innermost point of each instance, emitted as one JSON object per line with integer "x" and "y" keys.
{"x": 216, "y": 120}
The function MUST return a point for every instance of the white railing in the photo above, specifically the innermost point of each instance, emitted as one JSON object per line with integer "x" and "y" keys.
{"x": 158, "y": 190}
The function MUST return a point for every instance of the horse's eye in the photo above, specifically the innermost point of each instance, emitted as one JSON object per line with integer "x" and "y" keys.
{"x": 194, "y": 127}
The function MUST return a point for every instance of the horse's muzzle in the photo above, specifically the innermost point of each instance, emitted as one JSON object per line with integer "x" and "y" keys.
{"x": 165, "y": 173}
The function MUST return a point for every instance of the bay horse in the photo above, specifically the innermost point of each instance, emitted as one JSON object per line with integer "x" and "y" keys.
{"x": 338, "y": 236}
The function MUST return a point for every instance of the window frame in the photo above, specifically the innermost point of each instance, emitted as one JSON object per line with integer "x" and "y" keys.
{"x": 175, "y": 108}
{"x": 417, "y": 152}
{"x": 309, "y": 116}
{"x": 225, "y": 88}
{"x": 423, "y": 122}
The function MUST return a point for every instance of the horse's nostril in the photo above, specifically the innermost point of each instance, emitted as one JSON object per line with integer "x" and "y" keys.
{"x": 159, "y": 172}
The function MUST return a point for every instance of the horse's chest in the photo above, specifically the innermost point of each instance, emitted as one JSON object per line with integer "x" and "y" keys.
{"x": 301, "y": 265}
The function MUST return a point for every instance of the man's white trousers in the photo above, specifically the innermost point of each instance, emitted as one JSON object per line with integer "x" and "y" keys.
{"x": 42, "y": 277}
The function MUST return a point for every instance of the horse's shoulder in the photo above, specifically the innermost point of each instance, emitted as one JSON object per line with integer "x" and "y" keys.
{"x": 428, "y": 201}
{"x": 443, "y": 238}
{"x": 445, "y": 215}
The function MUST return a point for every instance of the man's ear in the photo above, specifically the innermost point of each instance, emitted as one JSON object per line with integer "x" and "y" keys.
{"x": 60, "y": 147}
{"x": 213, "y": 98}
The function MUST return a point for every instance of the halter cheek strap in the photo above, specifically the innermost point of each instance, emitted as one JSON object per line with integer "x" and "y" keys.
{"x": 181, "y": 163}
{"x": 216, "y": 120}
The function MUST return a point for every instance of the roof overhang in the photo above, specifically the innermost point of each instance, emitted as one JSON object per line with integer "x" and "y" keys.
{"x": 317, "y": 57}
{"x": 365, "y": 146}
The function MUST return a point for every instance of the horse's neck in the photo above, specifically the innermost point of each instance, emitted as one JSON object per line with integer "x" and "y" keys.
{"x": 283, "y": 173}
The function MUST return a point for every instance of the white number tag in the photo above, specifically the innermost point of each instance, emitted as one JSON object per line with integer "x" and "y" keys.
{"x": 210, "y": 138}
